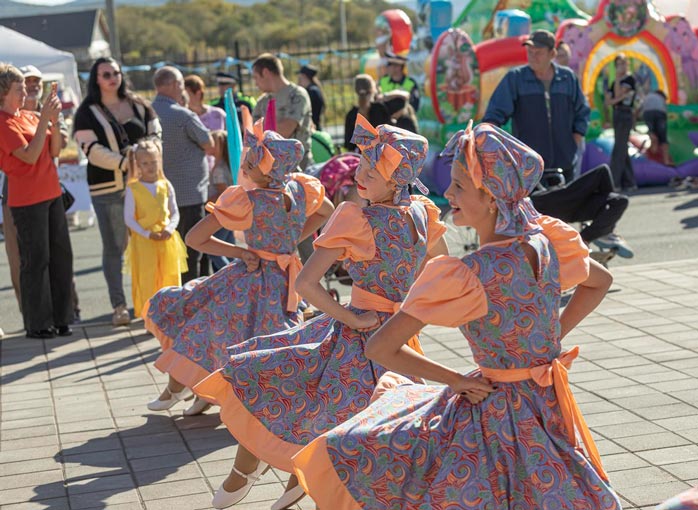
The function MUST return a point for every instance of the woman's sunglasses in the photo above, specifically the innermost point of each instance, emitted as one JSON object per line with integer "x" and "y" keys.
{"x": 108, "y": 75}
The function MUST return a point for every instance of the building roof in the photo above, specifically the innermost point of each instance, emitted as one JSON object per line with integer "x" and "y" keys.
{"x": 62, "y": 30}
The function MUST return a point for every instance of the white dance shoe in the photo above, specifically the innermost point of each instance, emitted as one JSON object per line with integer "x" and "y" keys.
{"x": 224, "y": 499}
{"x": 289, "y": 498}
{"x": 164, "y": 405}
{"x": 199, "y": 406}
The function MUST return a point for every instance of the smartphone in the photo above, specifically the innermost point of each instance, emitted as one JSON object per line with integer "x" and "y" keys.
{"x": 54, "y": 88}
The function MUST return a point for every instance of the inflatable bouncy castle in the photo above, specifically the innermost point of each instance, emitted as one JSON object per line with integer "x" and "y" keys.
{"x": 465, "y": 66}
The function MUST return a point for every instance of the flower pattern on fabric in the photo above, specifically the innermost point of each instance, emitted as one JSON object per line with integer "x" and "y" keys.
{"x": 687, "y": 500}
{"x": 425, "y": 447}
{"x": 302, "y": 382}
{"x": 207, "y": 315}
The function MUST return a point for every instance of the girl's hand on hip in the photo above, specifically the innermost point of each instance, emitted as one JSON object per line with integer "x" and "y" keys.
{"x": 367, "y": 321}
{"x": 475, "y": 389}
{"x": 251, "y": 260}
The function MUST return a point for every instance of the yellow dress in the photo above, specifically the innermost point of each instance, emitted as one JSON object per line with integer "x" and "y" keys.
{"x": 153, "y": 264}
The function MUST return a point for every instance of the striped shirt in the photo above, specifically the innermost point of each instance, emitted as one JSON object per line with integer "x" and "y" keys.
{"x": 184, "y": 161}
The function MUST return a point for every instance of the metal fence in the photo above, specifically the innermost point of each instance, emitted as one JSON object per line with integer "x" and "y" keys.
{"x": 337, "y": 67}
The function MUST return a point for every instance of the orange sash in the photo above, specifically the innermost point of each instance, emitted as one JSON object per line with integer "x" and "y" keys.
{"x": 365, "y": 300}
{"x": 288, "y": 262}
{"x": 555, "y": 373}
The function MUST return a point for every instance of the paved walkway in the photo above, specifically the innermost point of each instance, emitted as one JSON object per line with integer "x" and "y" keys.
{"x": 75, "y": 433}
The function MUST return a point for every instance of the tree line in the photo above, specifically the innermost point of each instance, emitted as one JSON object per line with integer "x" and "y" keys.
{"x": 196, "y": 30}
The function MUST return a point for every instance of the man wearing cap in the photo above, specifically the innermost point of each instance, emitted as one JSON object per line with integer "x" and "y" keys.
{"x": 227, "y": 81}
{"x": 396, "y": 79}
{"x": 545, "y": 102}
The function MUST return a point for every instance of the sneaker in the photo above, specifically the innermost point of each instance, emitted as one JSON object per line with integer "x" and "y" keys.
{"x": 121, "y": 316}
{"x": 613, "y": 241}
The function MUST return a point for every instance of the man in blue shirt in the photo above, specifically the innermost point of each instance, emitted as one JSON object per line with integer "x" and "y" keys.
{"x": 545, "y": 102}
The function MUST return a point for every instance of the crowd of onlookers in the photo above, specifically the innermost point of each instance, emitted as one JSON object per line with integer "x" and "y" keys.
{"x": 543, "y": 100}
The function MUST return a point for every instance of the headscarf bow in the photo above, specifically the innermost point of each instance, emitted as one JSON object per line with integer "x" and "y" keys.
{"x": 505, "y": 168}
{"x": 272, "y": 153}
{"x": 397, "y": 155}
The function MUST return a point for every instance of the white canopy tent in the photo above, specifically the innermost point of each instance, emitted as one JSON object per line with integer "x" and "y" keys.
{"x": 20, "y": 50}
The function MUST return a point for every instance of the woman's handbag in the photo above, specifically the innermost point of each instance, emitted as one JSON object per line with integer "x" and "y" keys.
{"x": 67, "y": 197}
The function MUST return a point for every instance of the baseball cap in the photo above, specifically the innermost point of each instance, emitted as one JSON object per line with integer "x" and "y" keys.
{"x": 30, "y": 72}
{"x": 225, "y": 78}
{"x": 392, "y": 58}
{"x": 541, "y": 39}
{"x": 308, "y": 70}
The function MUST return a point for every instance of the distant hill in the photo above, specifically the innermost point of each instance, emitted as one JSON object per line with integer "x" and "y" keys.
{"x": 11, "y": 8}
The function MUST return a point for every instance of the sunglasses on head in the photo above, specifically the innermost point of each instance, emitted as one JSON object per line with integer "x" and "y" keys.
{"x": 108, "y": 75}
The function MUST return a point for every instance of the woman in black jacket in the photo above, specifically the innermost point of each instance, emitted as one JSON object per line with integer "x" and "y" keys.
{"x": 109, "y": 120}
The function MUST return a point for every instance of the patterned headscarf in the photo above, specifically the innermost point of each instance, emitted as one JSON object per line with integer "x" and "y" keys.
{"x": 275, "y": 155}
{"x": 505, "y": 168}
{"x": 397, "y": 155}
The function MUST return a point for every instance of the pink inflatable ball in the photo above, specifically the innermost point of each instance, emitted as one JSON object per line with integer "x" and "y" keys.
{"x": 511, "y": 23}
{"x": 393, "y": 32}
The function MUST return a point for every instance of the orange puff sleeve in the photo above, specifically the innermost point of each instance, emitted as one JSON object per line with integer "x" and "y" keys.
{"x": 435, "y": 227}
{"x": 348, "y": 229}
{"x": 233, "y": 209}
{"x": 314, "y": 192}
{"x": 446, "y": 293}
{"x": 571, "y": 251}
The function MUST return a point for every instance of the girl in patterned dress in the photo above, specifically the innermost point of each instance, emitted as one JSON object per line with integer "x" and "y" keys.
{"x": 281, "y": 391}
{"x": 254, "y": 294}
{"x": 504, "y": 437}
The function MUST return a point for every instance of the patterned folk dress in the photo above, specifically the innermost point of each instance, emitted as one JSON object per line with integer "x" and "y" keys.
{"x": 279, "y": 392}
{"x": 423, "y": 447}
{"x": 197, "y": 322}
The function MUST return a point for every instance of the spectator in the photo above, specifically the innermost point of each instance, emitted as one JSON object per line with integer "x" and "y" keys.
{"x": 220, "y": 179}
{"x": 378, "y": 112}
{"x": 185, "y": 142}
{"x": 28, "y": 145}
{"x": 227, "y": 81}
{"x": 293, "y": 110}
{"x": 307, "y": 78}
{"x": 548, "y": 110}
{"x": 397, "y": 79}
{"x": 654, "y": 113}
{"x": 590, "y": 198}
{"x": 563, "y": 54}
{"x": 108, "y": 122}
{"x": 621, "y": 96}
{"x": 212, "y": 117}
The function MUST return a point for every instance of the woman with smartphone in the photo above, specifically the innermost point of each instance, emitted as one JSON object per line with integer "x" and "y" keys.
{"x": 29, "y": 142}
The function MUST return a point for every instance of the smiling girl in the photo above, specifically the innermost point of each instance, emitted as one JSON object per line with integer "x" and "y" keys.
{"x": 505, "y": 436}
{"x": 255, "y": 294}
{"x": 281, "y": 391}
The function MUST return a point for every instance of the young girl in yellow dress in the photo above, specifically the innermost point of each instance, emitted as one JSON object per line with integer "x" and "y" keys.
{"x": 156, "y": 254}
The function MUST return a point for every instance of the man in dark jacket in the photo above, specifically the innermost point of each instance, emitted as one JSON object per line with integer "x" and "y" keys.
{"x": 545, "y": 102}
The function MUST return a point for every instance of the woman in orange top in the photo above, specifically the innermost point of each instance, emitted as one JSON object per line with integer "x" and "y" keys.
{"x": 504, "y": 438}
{"x": 29, "y": 142}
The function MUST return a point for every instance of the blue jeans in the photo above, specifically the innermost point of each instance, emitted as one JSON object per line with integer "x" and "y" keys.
{"x": 219, "y": 262}
{"x": 112, "y": 228}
